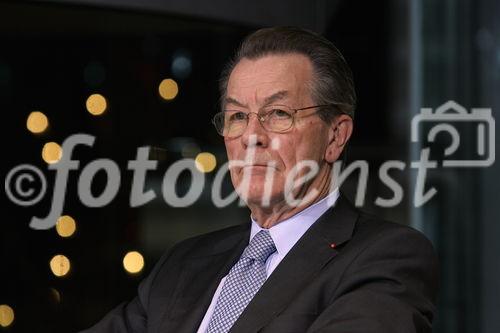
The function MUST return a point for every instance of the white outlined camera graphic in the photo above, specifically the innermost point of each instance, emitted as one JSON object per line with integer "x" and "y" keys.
{"x": 444, "y": 119}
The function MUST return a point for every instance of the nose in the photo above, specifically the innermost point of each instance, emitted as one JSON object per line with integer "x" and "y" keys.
{"x": 255, "y": 134}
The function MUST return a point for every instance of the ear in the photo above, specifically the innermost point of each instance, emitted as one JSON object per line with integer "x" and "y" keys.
{"x": 338, "y": 135}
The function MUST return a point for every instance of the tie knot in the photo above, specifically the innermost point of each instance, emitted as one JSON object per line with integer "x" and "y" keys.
{"x": 261, "y": 247}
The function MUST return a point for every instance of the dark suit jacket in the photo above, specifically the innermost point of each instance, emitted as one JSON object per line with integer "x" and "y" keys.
{"x": 349, "y": 273}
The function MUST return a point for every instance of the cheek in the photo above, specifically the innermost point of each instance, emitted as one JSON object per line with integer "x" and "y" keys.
{"x": 232, "y": 154}
{"x": 231, "y": 150}
{"x": 302, "y": 148}
{"x": 285, "y": 149}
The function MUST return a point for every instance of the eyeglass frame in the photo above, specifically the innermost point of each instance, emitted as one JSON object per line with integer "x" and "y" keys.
{"x": 263, "y": 118}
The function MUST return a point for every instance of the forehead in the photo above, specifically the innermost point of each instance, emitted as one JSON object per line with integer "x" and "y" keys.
{"x": 252, "y": 80}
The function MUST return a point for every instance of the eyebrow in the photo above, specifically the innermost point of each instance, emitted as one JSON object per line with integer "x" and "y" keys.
{"x": 230, "y": 100}
{"x": 275, "y": 97}
{"x": 268, "y": 100}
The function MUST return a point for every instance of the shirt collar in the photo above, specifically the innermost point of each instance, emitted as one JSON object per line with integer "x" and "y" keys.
{"x": 287, "y": 232}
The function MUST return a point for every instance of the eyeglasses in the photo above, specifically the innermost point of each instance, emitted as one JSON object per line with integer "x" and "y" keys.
{"x": 274, "y": 118}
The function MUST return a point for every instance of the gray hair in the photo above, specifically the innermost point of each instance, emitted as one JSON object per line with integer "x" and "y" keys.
{"x": 333, "y": 82}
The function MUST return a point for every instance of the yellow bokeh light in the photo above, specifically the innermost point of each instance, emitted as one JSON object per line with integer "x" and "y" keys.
{"x": 65, "y": 226}
{"x": 51, "y": 152}
{"x": 6, "y": 315}
{"x": 205, "y": 162}
{"x": 37, "y": 122}
{"x": 60, "y": 265}
{"x": 96, "y": 104}
{"x": 133, "y": 262}
{"x": 168, "y": 89}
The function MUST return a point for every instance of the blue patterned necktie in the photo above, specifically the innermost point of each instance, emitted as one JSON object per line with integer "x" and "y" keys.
{"x": 242, "y": 283}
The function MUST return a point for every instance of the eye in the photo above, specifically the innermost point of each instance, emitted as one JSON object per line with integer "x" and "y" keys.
{"x": 236, "y": 116}
{"x": 279, "y": 113}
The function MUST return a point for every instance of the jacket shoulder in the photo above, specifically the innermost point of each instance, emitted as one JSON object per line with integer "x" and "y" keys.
{"x": 375, "y": 228}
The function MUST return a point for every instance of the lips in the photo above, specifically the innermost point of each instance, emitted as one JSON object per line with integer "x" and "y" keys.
{"x": 267, "y": 165}
{"x": 257, "y": 162}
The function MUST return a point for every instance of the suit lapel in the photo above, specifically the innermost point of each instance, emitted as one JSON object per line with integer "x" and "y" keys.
{"x": 199, "y": 278}
{"x": 311, "y": 253}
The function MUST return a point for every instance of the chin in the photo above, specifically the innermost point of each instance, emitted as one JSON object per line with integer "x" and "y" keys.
{"x": 255, "y": 196}
{"x": 255, "y": 193}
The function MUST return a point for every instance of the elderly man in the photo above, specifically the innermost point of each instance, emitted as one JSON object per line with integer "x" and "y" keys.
{"x": 307, "y": 260}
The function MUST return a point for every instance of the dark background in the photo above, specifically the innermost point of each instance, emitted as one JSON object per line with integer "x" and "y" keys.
{"x": 404, "y": 54}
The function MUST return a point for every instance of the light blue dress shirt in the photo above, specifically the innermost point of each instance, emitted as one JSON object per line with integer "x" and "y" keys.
{"x": 284, "y": 234}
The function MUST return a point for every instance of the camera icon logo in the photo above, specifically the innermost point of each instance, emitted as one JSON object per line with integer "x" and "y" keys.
{"x": 478, "y": 124}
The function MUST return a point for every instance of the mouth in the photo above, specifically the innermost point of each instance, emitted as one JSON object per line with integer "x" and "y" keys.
{"x": 258, "y": 169}
{"x": 258, "y": 166}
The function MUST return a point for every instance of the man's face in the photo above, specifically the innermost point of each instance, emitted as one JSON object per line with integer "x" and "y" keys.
{"x": 274, "y": 80}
